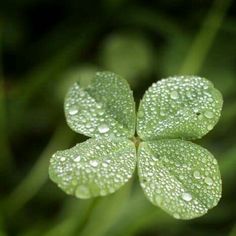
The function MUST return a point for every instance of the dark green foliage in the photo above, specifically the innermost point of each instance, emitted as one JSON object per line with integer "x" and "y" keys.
{"x": 47, "y": 45}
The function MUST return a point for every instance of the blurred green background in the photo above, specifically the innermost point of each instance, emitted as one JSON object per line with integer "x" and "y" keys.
{"x": 47, "y": 45}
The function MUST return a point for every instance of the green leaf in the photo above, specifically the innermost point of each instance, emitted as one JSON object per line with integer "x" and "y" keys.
{"x": 179, "y": 107}
{"x": 180, "y": 177}
{"x": 96, "y": 167}
{"x": 105, "y": 108}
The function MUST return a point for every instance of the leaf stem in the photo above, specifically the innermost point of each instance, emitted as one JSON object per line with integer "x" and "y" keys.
{"x": 205, "y": 37}
{"x": 38, "y": 175}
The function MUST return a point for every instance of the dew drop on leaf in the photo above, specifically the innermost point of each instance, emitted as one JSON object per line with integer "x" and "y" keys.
{"x": 186, "y": 197}
{"x": 209, "y": 114}
{"x": 103, "y": 128}
{"x": 73, "y": 110}
{"x": 189, "y": 108}
{"x": 105, "y": 164}
{"x": 162, "y": 113}
{"x": 82, "y": 192}
{"x": 94, "y": 163}
{"x": 176, "y": 216}
{"x": 174, "y": 95}
{"x": 181, "y": 177}
{"x": 209, "y": 127}
{"x": 107, "y": 99}
{"x": 196, "y": 174}
{"x": 208, "y": 181}
{"x": 77, "y": 159}
{"x": 95, "y": 167}
{"x": 183, "y": 181}
{"x": 158, "y": 199}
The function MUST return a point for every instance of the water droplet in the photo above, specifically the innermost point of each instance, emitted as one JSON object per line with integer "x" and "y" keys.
{"x": 100, "y": 113}
{"x": 111, "y": 190}
{"x": 200, "y": 117}
{"x": 105, "y": 164}
{"x": 73, "y": 110}
{"x": 208, "y": 114}
{"x": 181, "y": 177}
{"x": 93, "y": 163}
{"x": 162, "y": 113}
{"x": 82, "y": 192}
{"x": 196, "y": 174}
{"x": 187, "y": 197}
{"x": 158, "y": 200}
{"x": 103, "y": 128}
{"x": 174, "y": 95}
{"x": 99, "y": 106}
{"x": 77, "y": 159}
{"x": 214, "y": 161}
{"x": 188, "y": 94}
{"x": 208, "y": 181}
{"x": 176, "y": 215}
{"x": 209, "y": 127}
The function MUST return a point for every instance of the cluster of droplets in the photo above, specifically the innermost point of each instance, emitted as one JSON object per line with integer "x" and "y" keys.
{"x": 183, "y": 106}
{"x": 95, "y": 167}
{"x": 180, "y": 177}
{"x": 101, "y": 109}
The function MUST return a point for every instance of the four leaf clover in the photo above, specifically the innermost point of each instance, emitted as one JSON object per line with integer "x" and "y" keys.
{"x": 175, "y": 174}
